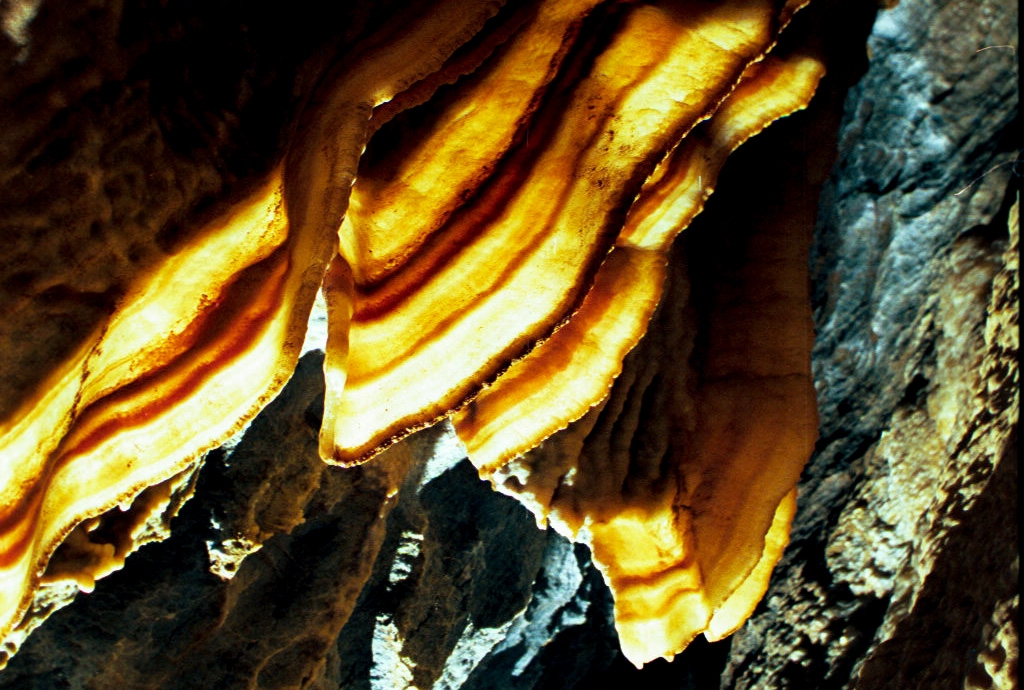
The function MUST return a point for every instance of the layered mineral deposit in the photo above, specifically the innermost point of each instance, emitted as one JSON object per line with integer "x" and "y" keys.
{"x": 507, "y": 210}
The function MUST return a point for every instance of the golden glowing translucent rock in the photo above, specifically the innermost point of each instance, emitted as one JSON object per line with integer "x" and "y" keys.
{"x": 690, "y": 553}
{"x": 488, "y": 199}
{"x": 495, "y": 257}
{"x": 201, "y": 337}
{"x": 173, "y": 372}
{"x": 615, "y": 314}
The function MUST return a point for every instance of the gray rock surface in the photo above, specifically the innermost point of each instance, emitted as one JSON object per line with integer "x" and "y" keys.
{"x": 903, "y": 558}
{"x": 445, "y": 584}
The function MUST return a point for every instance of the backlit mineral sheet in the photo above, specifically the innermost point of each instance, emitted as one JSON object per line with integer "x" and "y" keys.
{"x": 487, "y": 197}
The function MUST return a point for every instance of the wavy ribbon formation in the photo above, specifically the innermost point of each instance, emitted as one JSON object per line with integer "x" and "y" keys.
{"x": 488, "y": 197}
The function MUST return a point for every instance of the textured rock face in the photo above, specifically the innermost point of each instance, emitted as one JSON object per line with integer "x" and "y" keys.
{"x": 452, "y": 580}
{"x": 903, "y": 565}
{"x": 903, "y": 560}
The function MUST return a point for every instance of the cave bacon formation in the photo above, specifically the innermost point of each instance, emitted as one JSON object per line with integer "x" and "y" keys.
{"x": 488, "y": 197}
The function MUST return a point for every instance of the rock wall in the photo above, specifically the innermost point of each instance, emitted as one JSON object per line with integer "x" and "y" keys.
{"x": 903, "y": 563}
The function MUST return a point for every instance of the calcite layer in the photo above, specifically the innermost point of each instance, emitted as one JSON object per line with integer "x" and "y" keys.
{"x": 498, "y": 182}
